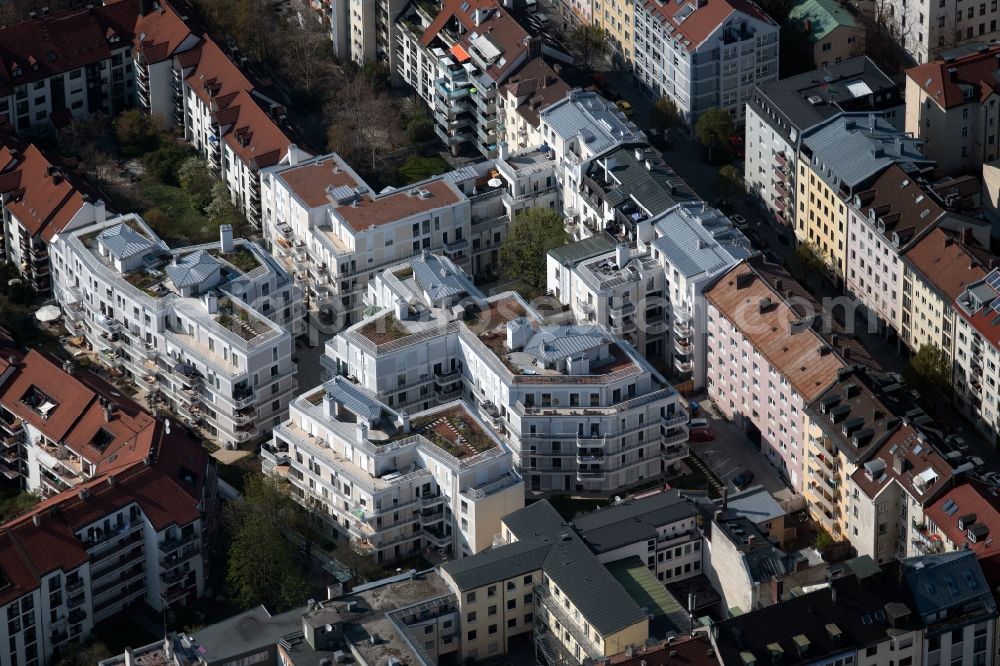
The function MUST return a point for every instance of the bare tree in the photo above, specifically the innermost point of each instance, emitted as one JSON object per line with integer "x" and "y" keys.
{"x": 361, "y": 119}
{"x": 306, "y": 58}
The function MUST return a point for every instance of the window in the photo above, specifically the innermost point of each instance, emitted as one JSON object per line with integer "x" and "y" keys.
{"x": 492, "y": 629}
{"x": 470, "y": 597}
{"x": 492, "y": 610}
{"x": 472, "y": 635}
{"x": 471, "y": 617}
{"x": 491, "y": 591}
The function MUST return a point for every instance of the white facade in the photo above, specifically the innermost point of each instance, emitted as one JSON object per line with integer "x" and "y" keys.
{"x": 580, "y": 409}
{"x": 188, "y": 324}
{"x": 713, "y": 65}
{"x": 327, "y": 228}
{"x": 977, "y": 358}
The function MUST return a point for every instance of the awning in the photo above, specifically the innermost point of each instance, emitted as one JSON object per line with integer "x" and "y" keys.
{"x": 460, "y": 53}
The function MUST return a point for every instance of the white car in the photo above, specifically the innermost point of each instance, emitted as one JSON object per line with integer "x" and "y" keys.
{"x": 992, "y": 478}
{"x": 739, "y": 221}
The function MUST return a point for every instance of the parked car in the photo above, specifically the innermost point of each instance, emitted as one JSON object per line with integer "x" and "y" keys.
{"x": 701, "y": 435}
{"x": 743, "y": 479}
{"x": 697, "y": 423}
{"x": 992, "y": 478}
{"x": 957, "y": 442}
{"x": 978, "y": 463}
{"x": 739, "y": 221}
{"x": 756, "y": 239}
{"x": 625, "y": 107}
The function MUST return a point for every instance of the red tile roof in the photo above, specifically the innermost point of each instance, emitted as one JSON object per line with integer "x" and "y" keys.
{"x": 372, "y": 211}
{"x": 919, "y": 460}
{"x": 975, "y": 73}
{"x": 79, "y": 415}
{"x": 691, "y": 651}
{"x": 901, "y": 203}
{"x": 64, "y": 41}
{"x": 701, "y": 23}
{"x": 970, "y": 497}
{"x": 42, "y": 196}
{"x": 248, "y": 130}
{"x": 310, "y": 181}
{"x": 159, "y": 33}
{"x": 946, "y": 263}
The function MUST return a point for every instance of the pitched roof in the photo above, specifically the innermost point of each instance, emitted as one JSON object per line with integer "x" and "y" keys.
{"x": 975, "y": 76}
{"x": 855, "y": 618}
{"x": 901, "y": 204}
{"x": 571, "y": 254}
{"x": 368, "y": 210}
{"x": 968, "y": 497}
{"x": 535, "y": 86}
{"x": 192, "y": 269}
{"x": 756, "y": 504}
{"x": 313, "y": 181}
{"x": 638, "y": 177}
{"x": 694, "y": 22}
{"x": 61, "y": 42}
{"x": 497, "y": 564}
{"x": 42, "y": 198}
{"x": 824, "y": 17}
{"x": 697, "y": 240}
{"x": 946, "y": 264}
{"x": 633, "y": 520}
{"x": 689, "y": 651}
{"x": 800, "y": 357}
{"x": 947, "y": 581}
{"x": 122, "y": 241}
{"x": 160, "y": 33}
{"x": 909, "y": 460}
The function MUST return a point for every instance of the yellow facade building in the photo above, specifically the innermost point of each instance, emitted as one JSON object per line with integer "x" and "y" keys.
{"x": 837, "y": 159}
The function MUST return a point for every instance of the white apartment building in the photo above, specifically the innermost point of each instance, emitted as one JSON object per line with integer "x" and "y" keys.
{"x": 458, "y": 59}
{"x": 930, "y": 30}
{"x": 765, "y": 363}
{"x": 581, "y": 409}
{"x": 327, "y": 228}
{"x": 977, "y": 391}
{"x": 395, "y": 484}
{"x": 954, "y": 109}
{"x": 779, "y": 112}
{"x": 653, "y": 294}
{"x": 882, "y": 223}
{"x": 67, "y": 65}
{"x": 704, "y": 53}
{"x": 206, "y": 328}
{"x": 38, "y": 199}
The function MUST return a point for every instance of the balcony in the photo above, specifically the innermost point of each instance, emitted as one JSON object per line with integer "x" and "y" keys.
{"x": 590, "y": 459}
{"x": 584, "y": 306}
{"x": 682, "y": 365}
{"x": 243, "y": 400}
{"x": 780, "y": 160}
{"x": 668, "y": 440}
{"x": 682, "y": 329}
{"x": 683, "y": 346}
{"x": 621, "y": 310}
{"x": 590, "y": 476}
{"x": 624, "y": 328}
{"x": 553, "y": 610}
{"x": 673, "y": 420}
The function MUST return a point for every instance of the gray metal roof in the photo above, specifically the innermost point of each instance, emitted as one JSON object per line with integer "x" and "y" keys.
{"x": 598, "y": 123}
{"x": 852, "y": 148}
{"x": 756, "y": 504}
{"x": 831, "y": 90}
{"x": 696, "y": 239}
{"x": 122, "y": 241}
{"x": 947, "y": 581}
{"x": 546, "y": 540}
{"x": 252, "y": 629}
{"x": 656, "y": 189}
{"x": 573, "y": 253}
{"x": 554, "y": 343}
{"x": 497, "y": 564}
{"x": 354, "y": 398}
{"x": 435, "y": 277}
{"x": 762, "y": 558}
{"x": 192, "y": 269}
{"x": 632, "y": 520}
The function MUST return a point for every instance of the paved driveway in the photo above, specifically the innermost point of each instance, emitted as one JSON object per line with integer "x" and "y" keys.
{"x": 731, "y": 452}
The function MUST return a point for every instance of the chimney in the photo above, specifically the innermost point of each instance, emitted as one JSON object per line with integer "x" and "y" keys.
{"x": 100, "y": 211}
{"x": 402, "y": 309}
{"x": 67, "y": 367}
{"x": 129, "y": 658}
{"x": 965, "y": 236}
{"x": 362, "y": 433}
{"x": 725, "y": 498}
{"x": 622, "y": 254}
{"x": 503, "y": 150}
{"x": 108, "y": 410}
{"x": 36, "y": 520}
{"x": 226, "y": 238}
{"x": 953, "y": 73}
{"x": 404, "y": 418}
{"x": 293, "y": 154}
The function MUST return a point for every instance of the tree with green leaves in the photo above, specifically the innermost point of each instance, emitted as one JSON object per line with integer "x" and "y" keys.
{"x": 195, "y": 178}
{"x": 591, "y": 41}
{"x": 18, "y": 504}
{"x": 136, "y": 134}
{"x": 360, "y": 566}
{"x": 664, "y": 114}
{"x": 929, "y": 374}
{"x": 221, "y": 209}
{"x": 713, "y": 128}
{"x": 420, "y": 127}
{"x": 263, "y": 566}
{"x": 533, "y": 233}
{"x": 728, "y": 185}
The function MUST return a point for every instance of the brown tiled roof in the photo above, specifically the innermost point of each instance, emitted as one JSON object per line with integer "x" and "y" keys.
{"x": 804, "y": 358}
{"x": 916, "y": 458}
{"x": 704, "y": 20}
{"x": 691, "y": 651}
{"x": 63, "y": 41}
{"x": 79, "y": 415}
{"x": 536, "y": 85}
{"x": 43, "y": 202}
{"x": 250, "y": 132}
{"x": 495, "y": 24}
{"x": 945, "y": 262}
{"x": 970, "y": 497}
{"x": 310, "y": 181}
{"x": 373, "y": 211}
{"x": 975, "y": 73}
{"x": 896, "y": 198}
{"x": 159, "y": 33}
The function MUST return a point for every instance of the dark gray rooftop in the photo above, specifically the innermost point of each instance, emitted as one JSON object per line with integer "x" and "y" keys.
{"x": 573, "y": 253}
{"x": 545, "y": 541}
{"x": 251, "y": 629}
{"x": 756, "y": 504}
{"x": 633, "y": 520}
{"x": 655, "y": 188}
{"x": 764, "y": 560}
{"x": 947, "y": 581}
{"x": 810, "y": 98}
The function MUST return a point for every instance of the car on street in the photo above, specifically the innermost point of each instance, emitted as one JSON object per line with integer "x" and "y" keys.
{"x": 978, "y": 463}
{"x": 957, "y": 442}
{"x": 743, "y": 479}
{"x": 739, "y": 221}
{"x": 625, "y": 107}
{"x": 697, "y": 435}
{"x": 992, "y": 478}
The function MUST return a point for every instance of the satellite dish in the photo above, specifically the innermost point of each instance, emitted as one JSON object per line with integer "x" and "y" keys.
{"x": 494, "y": 182}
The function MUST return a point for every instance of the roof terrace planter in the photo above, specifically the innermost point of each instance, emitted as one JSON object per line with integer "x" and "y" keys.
{"x": 455, "y": 432}
{"x": 239, "y": 321}
{"x": 241, "y": 257}
{"x": 384, "y": 330}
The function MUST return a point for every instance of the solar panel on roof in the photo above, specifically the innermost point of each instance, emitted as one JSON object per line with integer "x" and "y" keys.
{"x": 995, "y": 305}
{"x": 994, "y": 280}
